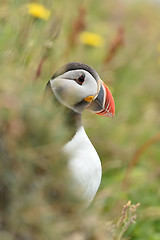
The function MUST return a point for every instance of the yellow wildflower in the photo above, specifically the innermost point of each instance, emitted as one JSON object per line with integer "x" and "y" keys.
{"x": 91, "y": 39}
{"x": 38, "y": 11}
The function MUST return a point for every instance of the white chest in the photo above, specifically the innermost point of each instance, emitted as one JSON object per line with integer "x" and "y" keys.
{"x": 84, "y": 164}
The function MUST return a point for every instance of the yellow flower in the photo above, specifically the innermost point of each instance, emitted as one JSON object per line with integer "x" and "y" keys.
{"x": 91, "y": 39}
{"x": 38, "y": 11}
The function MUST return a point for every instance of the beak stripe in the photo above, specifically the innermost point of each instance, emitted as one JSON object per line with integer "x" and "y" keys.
{"x": 103, "y": 104}
{"x": 108, "y": 103}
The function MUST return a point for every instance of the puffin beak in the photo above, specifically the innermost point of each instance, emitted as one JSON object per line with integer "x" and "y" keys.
{"x": 103, "y": 104}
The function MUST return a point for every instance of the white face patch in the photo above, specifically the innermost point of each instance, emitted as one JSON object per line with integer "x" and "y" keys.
{"x": 69, "y": 92}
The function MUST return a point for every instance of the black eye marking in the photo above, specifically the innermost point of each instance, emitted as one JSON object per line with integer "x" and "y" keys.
{"x": 80, "y": 80}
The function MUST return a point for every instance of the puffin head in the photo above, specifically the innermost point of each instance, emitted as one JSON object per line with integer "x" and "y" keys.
{"x": 78, "y": 86}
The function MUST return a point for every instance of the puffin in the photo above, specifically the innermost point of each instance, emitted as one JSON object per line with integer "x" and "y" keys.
{"x": 77, "y": 87}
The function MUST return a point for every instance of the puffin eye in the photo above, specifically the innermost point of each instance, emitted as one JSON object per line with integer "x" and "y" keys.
{"x": 81, "y": 79}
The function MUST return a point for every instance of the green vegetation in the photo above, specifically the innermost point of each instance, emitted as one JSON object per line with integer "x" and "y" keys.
{"x": 35, "y": 199}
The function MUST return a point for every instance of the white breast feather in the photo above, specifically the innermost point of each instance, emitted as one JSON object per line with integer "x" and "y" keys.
{"x": 84, "y": 164}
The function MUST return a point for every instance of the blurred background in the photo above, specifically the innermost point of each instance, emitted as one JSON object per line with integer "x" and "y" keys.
{"x": 121, "y": 40}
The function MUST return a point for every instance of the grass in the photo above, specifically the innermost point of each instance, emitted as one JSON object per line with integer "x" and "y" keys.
{"x": 34, "y": 202}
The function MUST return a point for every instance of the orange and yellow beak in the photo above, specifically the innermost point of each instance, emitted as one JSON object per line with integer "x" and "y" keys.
{"x": 103, "y": 104}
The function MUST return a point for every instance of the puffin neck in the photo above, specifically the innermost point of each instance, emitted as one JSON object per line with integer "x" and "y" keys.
{"x": 72, "y": 120}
